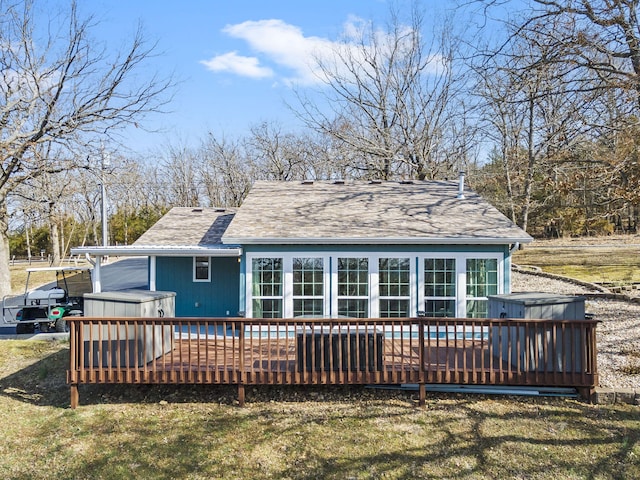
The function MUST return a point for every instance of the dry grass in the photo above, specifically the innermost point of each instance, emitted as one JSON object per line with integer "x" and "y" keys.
{"x": 197, "y": 432}
{"x": 19, "y": 276}
{"x": 607, "y": 260}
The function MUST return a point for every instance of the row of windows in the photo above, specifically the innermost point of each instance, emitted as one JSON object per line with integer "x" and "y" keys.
{"x": 367, "y": 286}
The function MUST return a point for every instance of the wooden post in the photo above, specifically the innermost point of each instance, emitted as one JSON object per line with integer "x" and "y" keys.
{"x": 241, "y": 394}
{"x": 423, "y": 395}
{"x": 75, "y": 396}
{"x": 241, "y": 340}
{"x": 588, "y": 394}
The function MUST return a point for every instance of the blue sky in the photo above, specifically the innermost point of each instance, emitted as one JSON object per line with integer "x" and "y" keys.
{"x": 235, "y": 60}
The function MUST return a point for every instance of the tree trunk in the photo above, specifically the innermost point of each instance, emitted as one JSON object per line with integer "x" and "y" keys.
{"x": 5, "y": 272}
{"x": 55, "y": 242}
{"x": 509, "y": 186}
{"x": 28, "y": 237}
{"x": 528, "y": 183}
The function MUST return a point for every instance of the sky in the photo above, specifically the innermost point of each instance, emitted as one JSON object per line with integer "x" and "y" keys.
{"x": 235, "y": 62}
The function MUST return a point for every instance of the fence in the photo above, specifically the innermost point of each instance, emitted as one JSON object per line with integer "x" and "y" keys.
{"x": 332, "y": 352}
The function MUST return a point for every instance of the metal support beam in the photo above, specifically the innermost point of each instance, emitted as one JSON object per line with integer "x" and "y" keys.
{"x": 97, "y": 280}
{"x": 152, "y": 273}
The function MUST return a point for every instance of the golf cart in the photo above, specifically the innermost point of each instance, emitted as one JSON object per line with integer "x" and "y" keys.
{"x": 47, "y": 309}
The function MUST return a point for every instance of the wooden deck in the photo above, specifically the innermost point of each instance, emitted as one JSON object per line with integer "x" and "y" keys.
{"x": 371, "y": 351}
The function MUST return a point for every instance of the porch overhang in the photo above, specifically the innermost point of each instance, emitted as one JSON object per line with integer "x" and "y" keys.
{"x": 151, "y": 251}
{"x": 159, "y": 251}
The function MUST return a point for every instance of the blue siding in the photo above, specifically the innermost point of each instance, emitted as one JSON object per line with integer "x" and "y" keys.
{"x": 226, "y": 291}
{"x": 201, "y": 299}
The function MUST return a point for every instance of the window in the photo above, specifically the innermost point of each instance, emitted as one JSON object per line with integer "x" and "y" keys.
{"x": 440, "y": 287}
{"x": 308, "y": 287}
{"x": 201, "y": 270}
{"x": 266, "y": 287}
{"x": 369, "y": 284}
{"x": 482, "y": 280}
{"x": 394, "y": 286}
{"x": 353, "y": 287}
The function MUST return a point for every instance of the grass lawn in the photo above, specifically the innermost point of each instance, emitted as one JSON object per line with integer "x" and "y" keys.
{"x": 198, "y": 432}
{"x": 36, "y": 279}
{"x": 609, "y": 263}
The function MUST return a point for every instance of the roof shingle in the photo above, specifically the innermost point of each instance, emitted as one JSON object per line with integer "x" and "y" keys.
{"x": 361, "y": 212}
{"x": 188, "y": 226}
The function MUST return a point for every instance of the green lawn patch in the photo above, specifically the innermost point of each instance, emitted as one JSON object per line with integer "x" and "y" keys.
{"x": 198, "y": 432}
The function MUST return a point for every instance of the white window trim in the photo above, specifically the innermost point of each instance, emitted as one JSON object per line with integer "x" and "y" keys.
{"x": 461, "y": 276}
{"x": 330, "y": 277}
{"x": 202, "y": 280}
{"x": 249, "y": 285}
{"x": 287, "y": 276}
{"x": 322, "y": 297}
{"x": 422, "y": 298}
{"x": 411, "y": 296}
{"x": 500, "y": 280}
{"x": 334, "y": 283}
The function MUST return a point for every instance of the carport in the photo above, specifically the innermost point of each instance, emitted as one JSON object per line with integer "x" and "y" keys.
{"x": 96, "y": 255}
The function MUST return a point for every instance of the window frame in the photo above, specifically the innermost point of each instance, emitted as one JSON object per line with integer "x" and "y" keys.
{"x": 251, "y": 297}
{"x": 335, "y": 275}
{"x": 485, "y": 298}
{"x": 411, "y": 285}
{"x": 195, "y": 269}
{"x": 417, "y": 295}
{"x": 461, "y": 276}
{"x": 304, "y": 296}
{"x": 287, "y": 280}
{"x": 423, "y": 283}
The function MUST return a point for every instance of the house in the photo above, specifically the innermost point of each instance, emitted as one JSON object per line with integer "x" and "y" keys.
{"x": 333, "y": 249}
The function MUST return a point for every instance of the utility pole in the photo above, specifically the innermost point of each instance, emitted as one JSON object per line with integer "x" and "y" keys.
{"x": 105, "y": 163}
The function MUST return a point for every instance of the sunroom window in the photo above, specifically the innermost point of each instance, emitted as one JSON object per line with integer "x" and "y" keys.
{"x": 266, "y": 286}
{"x": 308, "y": 287}
{"x": 482, "y": 281}
{"x": 440, "y": 287}
{"x": 394, "y": 286}
{"x": 353, "y": 287}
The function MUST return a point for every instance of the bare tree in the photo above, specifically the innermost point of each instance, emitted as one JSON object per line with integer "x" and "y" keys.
{"x": 390, "y": 96}
{"x": 600, "y": 37}
{"x": 597, "y": 42}
{"x": 227, "y": 172}
{"x": 275, "y": 152}
{"x": 59, "y": 87}
{"x": 538, "y": 110}
{"x": 180, "y": 169}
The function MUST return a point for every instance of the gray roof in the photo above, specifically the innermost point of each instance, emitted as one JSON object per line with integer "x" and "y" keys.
{"x": 188, "y": 226}
{"x": 415, "y": 212}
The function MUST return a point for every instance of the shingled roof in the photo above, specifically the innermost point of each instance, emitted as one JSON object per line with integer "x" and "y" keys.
{"x": 368, "y": 212}
{"x": 188, "y": 226}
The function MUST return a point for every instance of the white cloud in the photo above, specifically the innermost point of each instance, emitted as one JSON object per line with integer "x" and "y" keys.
{"x": 293, "y": 57}
{"x": 277, "y": 42}
{"x": 233, "y": 63}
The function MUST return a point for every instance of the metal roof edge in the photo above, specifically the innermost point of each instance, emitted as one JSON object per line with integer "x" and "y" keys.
{"x": 381, "y": 241}
{"x": 151, "y": 250}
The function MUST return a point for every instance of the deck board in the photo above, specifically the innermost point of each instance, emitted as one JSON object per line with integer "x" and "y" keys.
{"x": 280, "y": 355}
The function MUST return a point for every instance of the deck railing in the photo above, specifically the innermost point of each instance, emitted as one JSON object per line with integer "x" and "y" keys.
{"x": 329, "y": 352}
